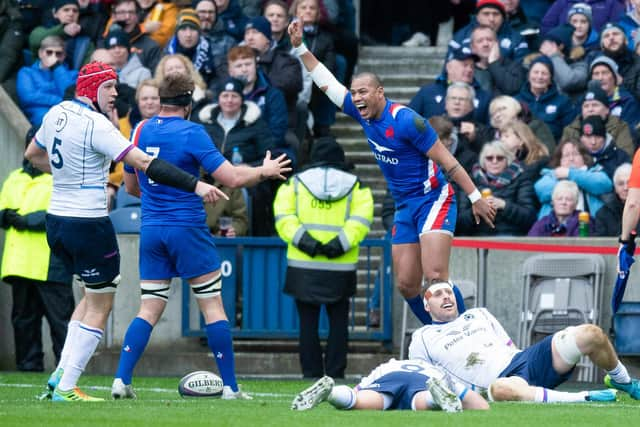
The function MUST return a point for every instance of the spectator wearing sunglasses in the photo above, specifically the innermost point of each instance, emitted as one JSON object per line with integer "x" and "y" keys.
{"x": 512, "y": 195}
{"x": 42, "y": 84}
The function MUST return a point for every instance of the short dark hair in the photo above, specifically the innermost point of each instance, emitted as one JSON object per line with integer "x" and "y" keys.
{"x": 375, "y": 79}
{"x": 175, "y": 85}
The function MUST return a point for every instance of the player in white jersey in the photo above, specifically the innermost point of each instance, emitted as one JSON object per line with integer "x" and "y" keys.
{"x": 76, "y": 143}
{"x": 396, "y": 384}
{"x": 474, "y": 348}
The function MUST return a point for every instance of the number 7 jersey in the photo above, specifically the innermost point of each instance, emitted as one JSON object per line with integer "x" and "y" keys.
{"x": 80, "y": 143}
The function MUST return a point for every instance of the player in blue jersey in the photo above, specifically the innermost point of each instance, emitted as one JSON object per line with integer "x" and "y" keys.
{"x": 396, "y": 384}
{"x": 174, "y": 238}
{"x": 416, "y": 166}
{"x": 76, "y": 143}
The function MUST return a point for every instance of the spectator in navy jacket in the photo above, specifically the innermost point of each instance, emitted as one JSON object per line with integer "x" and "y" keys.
{"x": 429, "y": 101}
{"x": 491, "y": 13}
{"x": 601, "y": 146}
{"x": 543, "y": 99}
{"x": 230, "y": 14}
{"x": 42, "y": 85}
{"x": 603, "y": 11}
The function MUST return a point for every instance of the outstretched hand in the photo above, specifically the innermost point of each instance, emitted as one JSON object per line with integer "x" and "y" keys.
{"x": 295, "y": 32}
{"x": 482, "y": 209}
{"x": 275, "y": 168}
{"x": 209, "y": 193}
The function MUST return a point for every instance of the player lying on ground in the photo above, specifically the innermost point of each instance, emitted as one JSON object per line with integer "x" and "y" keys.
{"x": 475, "y": 349}
{"x": 416, "y": 166}
{"x": 396, "y": 384}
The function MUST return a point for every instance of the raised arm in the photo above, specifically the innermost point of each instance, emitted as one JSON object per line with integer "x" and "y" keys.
{"x": 247, "y": 176}
{"x": 322, "y": 77}
{"x": 454, "y": 171}
{"x": 165, "y": 173}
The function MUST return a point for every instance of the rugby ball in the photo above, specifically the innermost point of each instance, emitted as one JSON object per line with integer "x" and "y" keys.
{"x": 200, "y": 384}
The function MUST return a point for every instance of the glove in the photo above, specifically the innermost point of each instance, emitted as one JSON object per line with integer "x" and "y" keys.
{"x": 625, "y": 255}
{"x": 333, "y": 248}
{"x": 14, "y": 219}
{"x": 308, "y": 244}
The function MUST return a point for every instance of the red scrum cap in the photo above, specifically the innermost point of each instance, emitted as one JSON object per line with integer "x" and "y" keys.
{"x": 91, "y": 76}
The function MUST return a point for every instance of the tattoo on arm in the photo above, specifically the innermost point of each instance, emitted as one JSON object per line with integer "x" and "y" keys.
{"x": 452, "y": 171}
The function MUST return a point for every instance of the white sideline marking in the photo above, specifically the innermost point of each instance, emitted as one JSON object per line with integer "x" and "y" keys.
{"x": 149, "y": 389}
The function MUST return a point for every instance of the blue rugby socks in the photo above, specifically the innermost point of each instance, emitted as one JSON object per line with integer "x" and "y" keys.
{"x": 221, "y": 345}
{"x": 135, "y": 341}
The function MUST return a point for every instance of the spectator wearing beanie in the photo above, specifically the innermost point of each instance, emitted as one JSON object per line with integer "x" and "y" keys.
{"x": 77, "y": 45}
{"x": 232, "y": 121}
{"x": 580, "y": 16}
{"x": 491, "y": 13}
{"x": 128, "y": 66}
{"x": 615, "y": 45}
{"x": 601, "y": 146}
{"x": 190, "y": 42}
{"x": 621, "y": 102}
{"x": 542, "y": 98}
{"x": 603, "y": 11}
{"x": 596, "y": 103}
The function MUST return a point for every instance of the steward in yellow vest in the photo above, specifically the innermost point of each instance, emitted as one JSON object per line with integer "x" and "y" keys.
{"x": 40, "y": 284}
{"x": 323, "y": 213}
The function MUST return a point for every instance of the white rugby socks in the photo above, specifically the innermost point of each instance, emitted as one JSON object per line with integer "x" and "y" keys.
{"x": 342, "y": 397}
{"x": 545, "y": 395}
{"x": 620, "y": 374}
{"x": 72, "y": 329}
{"x": 85, "y": 342}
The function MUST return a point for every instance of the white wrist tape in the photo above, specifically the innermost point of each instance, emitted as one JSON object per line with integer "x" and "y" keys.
{"x": 300, "y": 50}
{"x": 474, "y": 196}
{"x": 326, "y": 81}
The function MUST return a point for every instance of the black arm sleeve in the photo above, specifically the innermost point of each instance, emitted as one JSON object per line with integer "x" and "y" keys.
{"x": 165, "y": 173}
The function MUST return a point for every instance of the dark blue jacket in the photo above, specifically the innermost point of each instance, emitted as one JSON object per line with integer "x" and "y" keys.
{"x": 512, "y": 45}
{"x": 610, "y": 157}
{"x": 624, "y": 105}
{"x": 553, "y": 108}
{"x": 234, "y": 20}
{"x": 273, "y": 106}
{"x": 429, "y": 101}
{"x": 39, "y": 90}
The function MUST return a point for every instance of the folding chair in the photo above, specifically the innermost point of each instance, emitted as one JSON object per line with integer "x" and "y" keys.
{"x": 469, "y": 290}
{"x": 126, "y": 220}
{"x": 561, "y": 290}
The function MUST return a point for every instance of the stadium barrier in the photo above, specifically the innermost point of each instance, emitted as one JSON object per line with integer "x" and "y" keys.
{"x": 253, "y": 275}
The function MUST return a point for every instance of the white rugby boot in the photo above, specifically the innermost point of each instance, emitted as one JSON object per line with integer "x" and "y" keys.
{"x": 443, "y": 396}
{"x": 120, "y": 390}
{"x": 314, "y": 395}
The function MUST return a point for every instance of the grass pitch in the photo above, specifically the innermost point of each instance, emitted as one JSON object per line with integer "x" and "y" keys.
{"x": 159, "y": 404}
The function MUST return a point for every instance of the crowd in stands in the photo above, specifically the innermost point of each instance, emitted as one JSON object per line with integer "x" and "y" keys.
{"x": 531, "y": 95}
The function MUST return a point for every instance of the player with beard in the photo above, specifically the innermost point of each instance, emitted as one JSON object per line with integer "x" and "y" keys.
{"x": 77, "y": 143}
{"x": 414, "y": 163}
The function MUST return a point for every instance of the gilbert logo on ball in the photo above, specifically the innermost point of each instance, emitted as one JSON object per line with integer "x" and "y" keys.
{"x": 200, "y": 384}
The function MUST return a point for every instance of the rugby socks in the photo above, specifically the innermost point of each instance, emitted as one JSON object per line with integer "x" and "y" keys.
{"x": 620, "y": 374}
{"x": 416, "y": 304}
{"x": 72, "y": 329}
{"x": 428, "y": 398}
{"x": 135, "y": 341}
{"x": 221, "y": 345}
{"x": 545, "y": 395}
{"x": 342, "y": 397}
{"x": 85, "y": 342}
